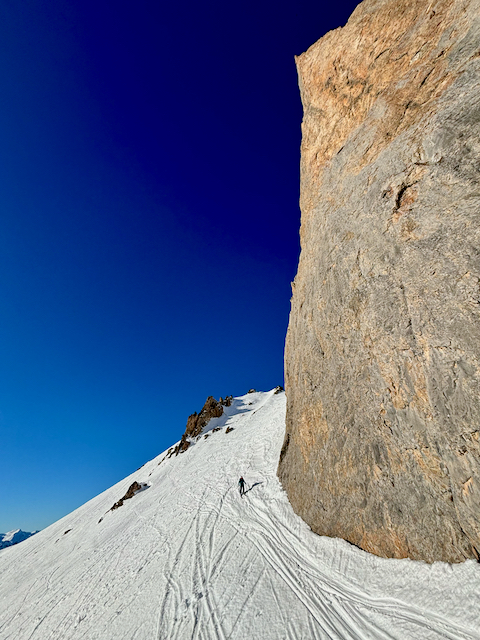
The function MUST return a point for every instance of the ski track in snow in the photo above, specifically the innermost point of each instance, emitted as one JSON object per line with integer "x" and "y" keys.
{"x": 188, "y": 558}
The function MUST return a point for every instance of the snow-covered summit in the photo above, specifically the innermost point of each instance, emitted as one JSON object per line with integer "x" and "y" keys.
{"x": 8, "y": 537}
{"x": 14, "y": 537}
{"x": 186, "y": 557}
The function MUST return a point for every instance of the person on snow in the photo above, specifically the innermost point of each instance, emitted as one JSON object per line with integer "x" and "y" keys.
{"x": 241, "y": 486}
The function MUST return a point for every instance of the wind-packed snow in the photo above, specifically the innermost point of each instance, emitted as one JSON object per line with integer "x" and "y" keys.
{"x": 188, "y": 558}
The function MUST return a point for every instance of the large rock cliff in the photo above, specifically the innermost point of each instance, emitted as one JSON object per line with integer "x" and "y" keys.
{"x": 383, "y": 346}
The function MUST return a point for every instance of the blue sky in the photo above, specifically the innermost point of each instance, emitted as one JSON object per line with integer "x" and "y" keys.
{"x": 149, "y": 162}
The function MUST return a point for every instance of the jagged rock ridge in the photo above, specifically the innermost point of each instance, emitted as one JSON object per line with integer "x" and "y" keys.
{"x": 198, "y": 421}
{"x": 383, "y": 346}
{"x": 132, "y": 490}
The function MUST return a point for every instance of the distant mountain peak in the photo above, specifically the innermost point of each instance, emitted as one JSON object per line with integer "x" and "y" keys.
{"x": 14, "y": 537}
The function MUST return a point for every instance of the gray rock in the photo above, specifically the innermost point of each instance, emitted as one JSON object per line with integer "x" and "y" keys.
{"x": 383, "y": 347}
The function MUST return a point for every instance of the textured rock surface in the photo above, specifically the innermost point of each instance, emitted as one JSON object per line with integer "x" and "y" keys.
{"x": 383, "y": 346}
{"x": 134, "y": 488}
{"x": 198, "y": 421}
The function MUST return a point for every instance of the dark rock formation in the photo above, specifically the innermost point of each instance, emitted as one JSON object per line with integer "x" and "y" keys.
{"x": 134, "y": 488}
{"x": 383, "y": 347}
{"x": 198, "y": 421}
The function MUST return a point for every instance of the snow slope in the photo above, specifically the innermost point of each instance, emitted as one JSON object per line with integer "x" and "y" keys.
{"x": 188, "y": 558}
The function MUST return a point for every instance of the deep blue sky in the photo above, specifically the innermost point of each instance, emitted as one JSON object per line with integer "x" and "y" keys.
{"x": 149, "y": 161}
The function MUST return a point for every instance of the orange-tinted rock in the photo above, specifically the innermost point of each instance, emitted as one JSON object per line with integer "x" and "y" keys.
{"x": 198, "y": 421}
{"x": 383, "y": 347}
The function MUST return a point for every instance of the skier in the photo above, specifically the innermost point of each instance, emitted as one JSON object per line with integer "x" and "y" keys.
{"x": 241, "y": 486}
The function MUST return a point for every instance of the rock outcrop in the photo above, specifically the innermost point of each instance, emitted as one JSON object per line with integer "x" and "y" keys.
{"x": 133, "y": 489}
{"x": 198, "y": 421}
{"x": 383, "y": 347}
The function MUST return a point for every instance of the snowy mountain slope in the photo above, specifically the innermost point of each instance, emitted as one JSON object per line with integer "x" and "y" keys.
{"x": 188, "y": 558}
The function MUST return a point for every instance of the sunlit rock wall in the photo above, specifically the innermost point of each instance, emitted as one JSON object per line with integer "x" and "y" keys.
{"x": 383, "y": 347}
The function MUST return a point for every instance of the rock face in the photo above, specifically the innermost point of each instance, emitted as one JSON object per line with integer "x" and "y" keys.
{"x": 383, "y": 347}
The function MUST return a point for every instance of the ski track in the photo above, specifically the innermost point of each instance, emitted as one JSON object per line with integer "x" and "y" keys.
{"x": 190, "y": 559}
{"x": 348, "y": 595}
